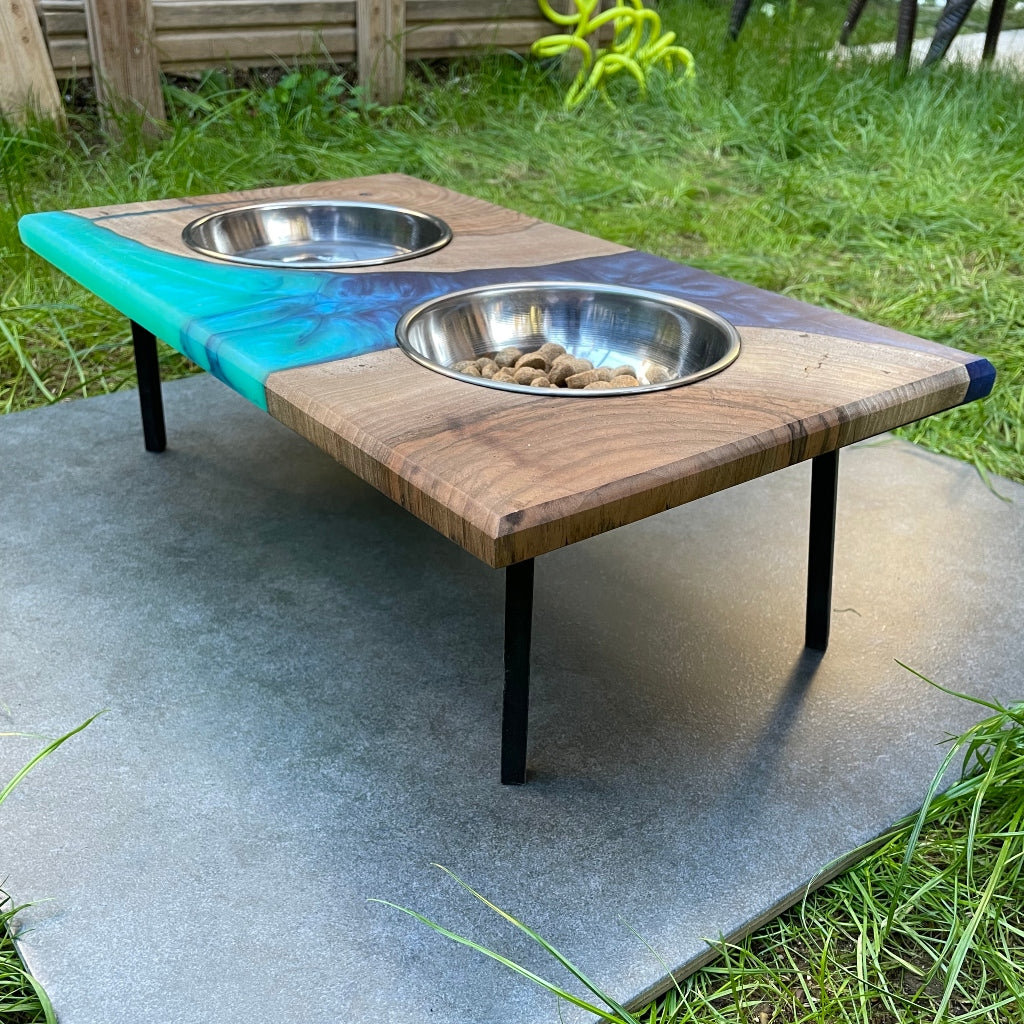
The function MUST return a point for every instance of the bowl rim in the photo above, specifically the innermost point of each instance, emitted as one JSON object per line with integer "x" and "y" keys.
{"x": 191, "y": 230}
{"x": 730, "y": 331}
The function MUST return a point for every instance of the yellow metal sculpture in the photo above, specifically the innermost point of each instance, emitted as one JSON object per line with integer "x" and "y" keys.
{"x": 638, "y": 44}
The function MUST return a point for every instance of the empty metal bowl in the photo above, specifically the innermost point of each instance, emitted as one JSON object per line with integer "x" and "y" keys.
{"x": 607, "y": 324}
{"x": 316, "y": 234}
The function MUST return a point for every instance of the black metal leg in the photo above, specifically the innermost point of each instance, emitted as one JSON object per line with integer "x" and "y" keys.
{"x": 853, "y": 13}
{"x": 949, "y": 24}
{"x": 824, "y": 481}
{"x": 906, "y": 20}
{"x": 995, "y": 25}
{"x": 516, "y": 700}
{"x": 147, "y": 369}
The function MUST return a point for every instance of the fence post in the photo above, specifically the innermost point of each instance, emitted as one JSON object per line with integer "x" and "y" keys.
{"x": 380, "y": 48}
{"x": 125, "y": 68}
{"x": 26, "y": 77}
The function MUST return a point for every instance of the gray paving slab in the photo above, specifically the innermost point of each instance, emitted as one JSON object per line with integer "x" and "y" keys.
{"x": 301, "y": 685}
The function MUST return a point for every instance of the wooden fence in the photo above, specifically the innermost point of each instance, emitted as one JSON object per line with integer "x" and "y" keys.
{"x": 124, "y": 44}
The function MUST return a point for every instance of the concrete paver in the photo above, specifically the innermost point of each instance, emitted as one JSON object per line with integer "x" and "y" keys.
{"x": 302, "y": 686}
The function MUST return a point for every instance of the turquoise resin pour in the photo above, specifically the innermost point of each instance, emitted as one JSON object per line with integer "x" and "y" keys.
{"x": 239, "y": 323}
{"x": 243, "y": 323}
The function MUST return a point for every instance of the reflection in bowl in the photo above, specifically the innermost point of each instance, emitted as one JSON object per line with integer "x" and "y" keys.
{"x": 318, "y": 234}
{"x": 668, "y": 341}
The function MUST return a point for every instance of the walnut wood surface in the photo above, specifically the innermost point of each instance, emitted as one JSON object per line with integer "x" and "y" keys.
{"x": 485, "y": 235}
{"x": 511, "y": 476}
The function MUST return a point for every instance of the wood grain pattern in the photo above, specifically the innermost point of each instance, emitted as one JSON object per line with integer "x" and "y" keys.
{"x": 510, "y": 476}
{"x": 245, "y": 14}
{"x": 445, "y": 39}
{"x": 469, "y": 10}
{"x": 485, "y": 235}
{"x": 27, "y": 81}
{"x": 380, "y": 57}
{"x": 192, "y": 51}
{"x": 123, "y": 58}
{"x": 196, "y": 34}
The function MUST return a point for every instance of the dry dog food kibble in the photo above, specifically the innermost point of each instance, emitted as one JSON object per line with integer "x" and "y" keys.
{"x": 551, "y": 350}
{"x": 525, "y": 374}
{"x": 507, "y": 356}
{"x": 550, "y": 366}
{"x": 581, "y": 380}
{"x": 532, "y": 359}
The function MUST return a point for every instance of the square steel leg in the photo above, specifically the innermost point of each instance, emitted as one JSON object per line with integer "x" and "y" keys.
{"x": 516, "y": 698}
{"x": 147, "y": 369}
{"x": 821, "y": 549}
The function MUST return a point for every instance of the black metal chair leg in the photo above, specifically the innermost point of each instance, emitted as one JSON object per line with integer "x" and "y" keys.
{"x": 821, "y": 548}
{"x": 853, "y": 13}
{"x": 737, "y": 17}
{"x": 906, "y": 21}
{"x": 994, "y": 27}
{"x": 516, "y": 699}
{"x": 949, "y": 24}
{"x": 147, "y": 369}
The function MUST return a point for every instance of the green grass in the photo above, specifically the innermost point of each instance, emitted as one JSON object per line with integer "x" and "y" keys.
{"x": 22, "y": 999}
{"x": 928, "y": 927}
{"x": 896, "y": 200}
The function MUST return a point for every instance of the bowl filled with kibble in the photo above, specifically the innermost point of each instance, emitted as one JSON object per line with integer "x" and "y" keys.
{"x": 569, "y": 339}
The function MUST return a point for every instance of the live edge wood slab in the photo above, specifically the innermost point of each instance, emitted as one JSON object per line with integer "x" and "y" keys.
{"x": 506, "y": 476}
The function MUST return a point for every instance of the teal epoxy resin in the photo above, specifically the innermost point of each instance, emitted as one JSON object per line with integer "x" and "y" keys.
{"x": 239, "y": 323}
{"x": 243, "y": 323}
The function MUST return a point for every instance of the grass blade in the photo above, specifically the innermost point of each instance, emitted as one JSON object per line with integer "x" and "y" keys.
{"x": 511, "y": 964}
{"x": 544, "y": 944}
{"x": 25, "y": 769}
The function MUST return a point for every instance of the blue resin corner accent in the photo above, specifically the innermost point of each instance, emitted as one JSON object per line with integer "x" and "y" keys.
{"x": 983, "y": 379}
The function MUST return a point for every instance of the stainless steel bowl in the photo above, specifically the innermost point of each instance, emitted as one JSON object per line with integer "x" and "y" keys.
{"x": 316, "y": 234}
{"x": 607, "y": 324}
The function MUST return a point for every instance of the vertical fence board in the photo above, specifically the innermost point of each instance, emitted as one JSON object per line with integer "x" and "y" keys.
{"x": 26, "y": 77}
{"x": 125, "y": 67}
{"x": 380, "y": 32}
